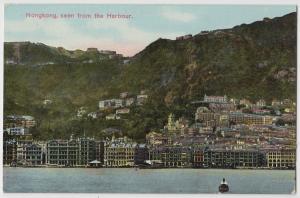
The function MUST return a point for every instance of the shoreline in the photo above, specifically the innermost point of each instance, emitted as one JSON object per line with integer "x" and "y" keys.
{"x": 136, "y": 168}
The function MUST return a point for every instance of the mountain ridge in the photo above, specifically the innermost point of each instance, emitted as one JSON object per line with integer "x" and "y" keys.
{"x": 39, "y": 53}
{"x": 265, "y": 48}
{"x": 253, "y": 61}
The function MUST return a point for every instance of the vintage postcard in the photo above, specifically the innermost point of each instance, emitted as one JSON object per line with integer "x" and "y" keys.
{"x": 140, "y": 98}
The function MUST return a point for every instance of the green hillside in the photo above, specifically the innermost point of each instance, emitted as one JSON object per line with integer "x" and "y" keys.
{"x": 251, "y": 61}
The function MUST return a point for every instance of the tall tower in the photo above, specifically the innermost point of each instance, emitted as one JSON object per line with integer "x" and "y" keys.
{"x": 113, "y": 138}
{"x": 171, "y": 122}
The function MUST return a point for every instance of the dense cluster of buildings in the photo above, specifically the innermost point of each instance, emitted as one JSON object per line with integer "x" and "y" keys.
{"x": 122, "y": 104}
{"x": 225, "y": 133}
{"x": 229, "y": 133}
{"x": 114, "y": 108}
{"x": 126, "y": 100}
{"x": 123, "y": 152}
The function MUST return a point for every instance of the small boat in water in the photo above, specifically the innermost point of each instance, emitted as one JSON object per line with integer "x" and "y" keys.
{"x": 223, "y": 186}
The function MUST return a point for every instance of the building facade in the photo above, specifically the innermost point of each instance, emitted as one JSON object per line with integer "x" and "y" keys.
{"x": 62, "y": 152}
{"x": 141, "y": 154}
{"x": 87, "y": 150}
{"x": 250, "y": 119}
{"x": 34, "y": 154}
{"x": 171, "y": 156}
{"x": 216, "y": 99}
{"x": 282, "y": 158}
{"x": 119, "y": 153}
{"x": 99, "y": 149}
{"x": 9, "y": 152}
{"x": 198, "y": 157}
{"x": 222, "y": 158}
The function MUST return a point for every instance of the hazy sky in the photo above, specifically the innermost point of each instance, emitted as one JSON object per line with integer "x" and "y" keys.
{"x": 127, "y": 36}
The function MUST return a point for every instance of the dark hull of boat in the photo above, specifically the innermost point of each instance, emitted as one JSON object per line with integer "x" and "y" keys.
{"x": 223, "y": 188}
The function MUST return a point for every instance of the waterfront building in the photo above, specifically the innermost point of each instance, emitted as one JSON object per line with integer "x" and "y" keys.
{"x": 21, "y": 154}
{"x": 141, "y": 154}
{"x": 171, "y": 156}
{"x": 33, "y": 154}
{"x": 79, "y": 152}
{"x": 87, "y": 150}
{"x": 155, "y": 153}
{"x": 281, "y": 158}
{"x": 176, "y": 157}
{"x": 22, "y": 143}
{"x": 198, "y": 157}
{"x": 119, "y": 153}
{"x": 222, "y": 158}
{"x": 99, "y": 149}
{"x": 62, "y": 152}
{"x": 9, "y": 152}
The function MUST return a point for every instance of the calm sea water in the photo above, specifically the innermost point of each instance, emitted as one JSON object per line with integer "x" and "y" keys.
{"x": 130, "y": 180}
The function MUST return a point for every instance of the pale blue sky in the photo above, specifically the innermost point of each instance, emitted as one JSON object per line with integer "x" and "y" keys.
{"x": 127, "y": 36}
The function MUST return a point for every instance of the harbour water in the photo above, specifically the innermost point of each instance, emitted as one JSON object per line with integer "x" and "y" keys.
{"x": 130, "y": 180}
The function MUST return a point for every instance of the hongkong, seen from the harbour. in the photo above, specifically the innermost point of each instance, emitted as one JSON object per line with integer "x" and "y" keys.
{"x": 150, "y": 99}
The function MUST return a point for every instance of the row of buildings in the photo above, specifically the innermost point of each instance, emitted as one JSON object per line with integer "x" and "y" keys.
{"x": 113, "y": 109}
{"x": 123, "y": 152}
{"x": 259, "y": 103}
{"x": 24, "y": 121}
{"x": 73, "y": 152}
{"x": 18, "y": 124}
{"x": 209, "y": 118}
{"x": 125, "y": 100}
{"x": 122, "y": 105}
